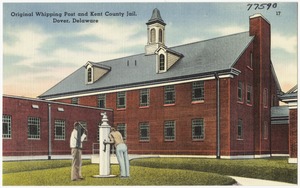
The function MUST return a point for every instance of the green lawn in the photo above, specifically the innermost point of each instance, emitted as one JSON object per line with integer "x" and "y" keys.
{"x": 151, "y": 171}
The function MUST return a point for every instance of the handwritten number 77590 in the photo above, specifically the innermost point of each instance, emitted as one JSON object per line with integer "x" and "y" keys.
{"x": 267, "y": 6}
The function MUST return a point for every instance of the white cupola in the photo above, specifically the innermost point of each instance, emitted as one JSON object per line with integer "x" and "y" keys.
{"x": 156, "y": 32}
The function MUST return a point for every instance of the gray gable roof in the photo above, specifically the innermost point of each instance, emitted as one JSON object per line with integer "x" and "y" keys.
{"x": 199, "y": 59}
{"x": 290, "y": 95}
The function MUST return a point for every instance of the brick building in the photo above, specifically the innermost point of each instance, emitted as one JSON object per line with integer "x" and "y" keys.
{"x": 211, "y": 97}
{"x": 291, "y": 99}
{"x": 38, "y": 127}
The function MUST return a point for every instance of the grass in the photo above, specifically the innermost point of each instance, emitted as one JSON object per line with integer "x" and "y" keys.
{"x": 276, "y": 168}
{"x": 152, "y": 171}
{"x": 36, "y": 173}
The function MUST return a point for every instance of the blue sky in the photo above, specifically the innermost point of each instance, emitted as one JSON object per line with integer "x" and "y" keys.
{"x": 38, "y": 53}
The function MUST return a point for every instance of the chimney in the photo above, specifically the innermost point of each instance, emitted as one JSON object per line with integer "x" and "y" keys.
{"x": 260, "y": 28}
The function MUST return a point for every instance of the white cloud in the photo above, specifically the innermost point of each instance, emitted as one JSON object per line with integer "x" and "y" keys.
{"x": 287, "y": 74}
{"x": 286, "y": 43}
{"x": 110, "y": 42}
{"x": 27, "y": 43}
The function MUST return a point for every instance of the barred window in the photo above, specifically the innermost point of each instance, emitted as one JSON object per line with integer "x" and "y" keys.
{"x": 74, "y": 100}
{"x": 240, "y": 129}
{"x": 59, "y": 130}
{"x": 89, "y": 74}
{"x": 144, "y": 97}
{"x": 6, "y": 126}
{"x": 121, "y": 99}
{"x": 169, "y": 94}
{"x": 162, "y": 62}
{"x": 240, "y": 91}
{"x": 144, "y": 131}
{"x": 33, "y": 128}
{"x": 249, "y": 94}
{"x": 198, "y": 91}
{"x": 197, "y": 129}
{"x": 121, "y": 127}
{"x": 169, "y": 131}
{"x": 102, "y": 101}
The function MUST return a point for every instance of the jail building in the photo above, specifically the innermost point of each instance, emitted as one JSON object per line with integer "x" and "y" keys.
{"x": 34, "y": 127}
{"x": 291, "y": 99}
{"x": 210, "y": 98}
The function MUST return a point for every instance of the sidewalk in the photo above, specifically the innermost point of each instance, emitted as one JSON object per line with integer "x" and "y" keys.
{"x": 258, "y": 182}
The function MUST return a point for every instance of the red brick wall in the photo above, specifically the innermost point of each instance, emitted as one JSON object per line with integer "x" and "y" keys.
{"x": 21, "y": 109}
{"x": 279, "y": 138}
{"x": 260, "y": 28}
{"x": 293, "y": 133}
{"x": 242, "y": 110}
{"x": 182, "y": 113}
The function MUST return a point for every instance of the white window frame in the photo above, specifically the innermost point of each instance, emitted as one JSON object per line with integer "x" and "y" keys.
{"x": 6, "y": 121}
{"x": 58, "y": 123}
{"x": 34, "y": 121}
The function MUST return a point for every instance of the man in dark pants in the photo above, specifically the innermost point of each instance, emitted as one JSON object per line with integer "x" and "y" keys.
{"x": 76, "y": 139}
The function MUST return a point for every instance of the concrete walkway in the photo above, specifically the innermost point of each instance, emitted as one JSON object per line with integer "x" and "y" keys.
{"x": 258, "y": 182}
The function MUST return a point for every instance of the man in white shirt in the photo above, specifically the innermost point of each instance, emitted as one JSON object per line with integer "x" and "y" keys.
{"x": 76, "y": 139}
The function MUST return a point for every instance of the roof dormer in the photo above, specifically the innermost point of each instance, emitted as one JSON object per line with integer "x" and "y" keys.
{"x": 166, "y": 58}
{"x": 94, "y": 71}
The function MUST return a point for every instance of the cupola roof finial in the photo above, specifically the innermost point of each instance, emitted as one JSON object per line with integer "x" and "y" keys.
{"x": 156, "y": 18}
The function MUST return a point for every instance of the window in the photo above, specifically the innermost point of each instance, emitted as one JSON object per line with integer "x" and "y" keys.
{"x": 33, "y": 128}
{"x": 265, "y": 130}
{"x": 161, "y": 62}
{"x": 265, "y": 98}
{"x": 6, "y": 126}
{"x": 249, "y": 94}
{"x": 121, "y": 99}
{"x": 240, "y": 129}
{"x": 144, "y": 97}
{"x": 122, "y": 129}
{"x": 169, "y": 131}
{"x": 89, "y": 74}
{"x": 144, "y": 131}
{"x": 198, "y": 91}
{"x": 160, "y": 38}
{"x": 102, "y": 101}
{"x": 240, "y": 91}
{"x": 169, "y": 94}
{"x": 197, "y": 129}
{"x": 59, "y": 130}
{"x": 74, "y": 100}
{"x": 152, "y": 35}
{"x": 251, "y": 60}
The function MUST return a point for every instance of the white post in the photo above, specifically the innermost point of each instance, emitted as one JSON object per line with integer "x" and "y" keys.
{"x": 104, "y": 149}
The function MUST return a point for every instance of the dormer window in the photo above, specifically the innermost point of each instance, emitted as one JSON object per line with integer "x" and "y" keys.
{"x": 89, "y": 75}
{"x": 162, "y": 63}
{"x": 94, "y": 71}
